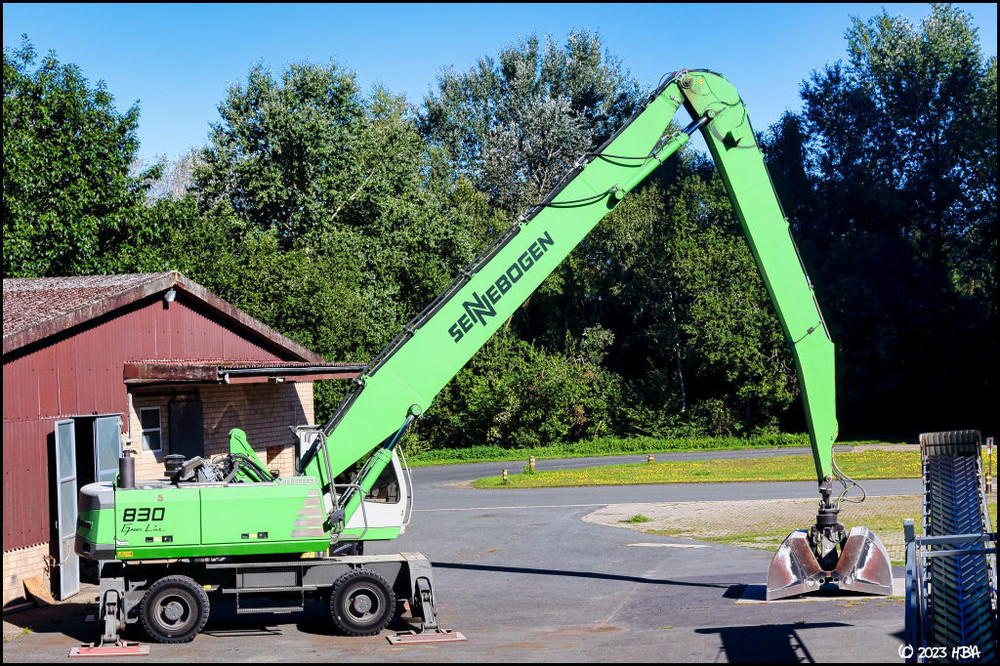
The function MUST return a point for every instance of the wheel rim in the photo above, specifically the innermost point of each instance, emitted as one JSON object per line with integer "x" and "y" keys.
{"x": 364, "y": 604}
{"x": 173, "y": 611}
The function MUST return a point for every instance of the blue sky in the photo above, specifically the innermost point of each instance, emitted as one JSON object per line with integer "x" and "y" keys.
{"x": 176, "y": 61}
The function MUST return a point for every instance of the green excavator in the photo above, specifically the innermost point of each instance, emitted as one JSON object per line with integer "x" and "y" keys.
{"x": 171, "y": 544}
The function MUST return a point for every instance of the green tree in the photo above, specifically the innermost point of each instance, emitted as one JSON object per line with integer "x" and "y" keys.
{"x": 515, "y": 124}
{"x": 512, "y": 126}
{"x": 306, "y": 156}
{"x": 895, "y": 207}
{"x": 911, "y": 121}
{"x": 342, "y": 222}
{"x": 667, "y": 276}
{"x": 699, "y": 346}
{"x": 69, "y": 199}
{"x": 281, "y": 155}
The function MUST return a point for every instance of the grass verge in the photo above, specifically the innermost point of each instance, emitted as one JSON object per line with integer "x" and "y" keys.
{"x": 871, "y": 464}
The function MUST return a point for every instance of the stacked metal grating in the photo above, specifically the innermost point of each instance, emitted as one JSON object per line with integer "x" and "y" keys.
{"x": 959, "y": 569}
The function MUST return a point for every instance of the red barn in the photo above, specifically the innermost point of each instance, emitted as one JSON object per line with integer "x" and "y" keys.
{"x": 149, "y": 362}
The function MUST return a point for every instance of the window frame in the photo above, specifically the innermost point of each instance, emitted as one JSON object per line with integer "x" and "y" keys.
{"x": 158, "y": 430}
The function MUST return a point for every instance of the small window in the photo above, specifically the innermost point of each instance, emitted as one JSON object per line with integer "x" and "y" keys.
{"x": 149, "y": 417}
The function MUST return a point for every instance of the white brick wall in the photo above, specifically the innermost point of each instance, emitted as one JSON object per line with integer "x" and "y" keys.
{"x": 20, "y": 564}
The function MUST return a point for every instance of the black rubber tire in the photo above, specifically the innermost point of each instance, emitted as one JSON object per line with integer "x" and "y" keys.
{"x": 362, "y": 603}
{"x": 174, "y": 609}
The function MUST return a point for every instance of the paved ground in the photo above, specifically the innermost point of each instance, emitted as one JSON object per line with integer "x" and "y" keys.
{"x": 531, "y": 576}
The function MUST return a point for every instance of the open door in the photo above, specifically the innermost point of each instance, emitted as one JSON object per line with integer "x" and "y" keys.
{"x": 69, "y": 563}
{"x": 107, "y": 447}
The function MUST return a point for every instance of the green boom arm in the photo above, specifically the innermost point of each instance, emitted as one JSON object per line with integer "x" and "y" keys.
{"x": 404, "y": 379}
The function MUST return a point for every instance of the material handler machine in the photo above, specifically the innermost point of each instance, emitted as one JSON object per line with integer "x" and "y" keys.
{"x": 227, "y": 528}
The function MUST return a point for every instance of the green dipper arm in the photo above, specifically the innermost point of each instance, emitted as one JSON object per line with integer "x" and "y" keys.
{"x": 741, "y": 164}
{"x": 433, "y": 347}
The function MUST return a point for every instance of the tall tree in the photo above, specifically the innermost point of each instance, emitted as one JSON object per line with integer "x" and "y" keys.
{"x": 69, "y": 198}
{"x": 281, "y": 155}
{"x": 516, "y": 123}
{"x": 343, "y": 223}
{"x": 897, "y": 214}
{"x": 305, "y": 156}
{"x": 666, "y": 277}
{"x": 908, "y": 119}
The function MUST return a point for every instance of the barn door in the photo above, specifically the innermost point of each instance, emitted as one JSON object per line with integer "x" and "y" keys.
{"x": 69, "y": 563}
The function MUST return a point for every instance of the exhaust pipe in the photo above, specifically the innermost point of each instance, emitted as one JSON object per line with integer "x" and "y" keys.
{"x": 126, "y": 471}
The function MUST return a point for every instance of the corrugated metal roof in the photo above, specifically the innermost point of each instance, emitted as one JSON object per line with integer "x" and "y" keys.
{"x": 31, "y": 301}
{"x": 253, "y": 365}
{"x": 36, "y": 308}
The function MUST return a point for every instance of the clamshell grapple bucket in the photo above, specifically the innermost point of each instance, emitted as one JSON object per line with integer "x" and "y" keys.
{"x": 862, "y": 565}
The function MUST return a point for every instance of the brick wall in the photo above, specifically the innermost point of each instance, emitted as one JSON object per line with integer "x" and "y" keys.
{"x": 263, "y": 411}
{"x": 20, "y": 564}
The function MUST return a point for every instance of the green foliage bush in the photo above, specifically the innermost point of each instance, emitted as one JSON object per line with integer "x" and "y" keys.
{"x": 600, "y": 446}
{"x": 513, "y": 394}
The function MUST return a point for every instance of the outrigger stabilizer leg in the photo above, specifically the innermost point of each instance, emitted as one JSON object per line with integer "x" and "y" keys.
{"x": 112, "y": 611}
{"x": 853, "y": 560}
{"x": 424, "y": 605}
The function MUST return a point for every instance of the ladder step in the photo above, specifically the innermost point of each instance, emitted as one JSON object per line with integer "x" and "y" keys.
{"x": 265, "y": 590}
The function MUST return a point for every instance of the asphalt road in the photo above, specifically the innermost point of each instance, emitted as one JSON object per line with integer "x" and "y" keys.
{"x": 524, "y": 578}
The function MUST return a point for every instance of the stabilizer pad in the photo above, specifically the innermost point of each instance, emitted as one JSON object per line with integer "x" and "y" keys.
{"x": 125, "y": 650}
{"x": 436, "y": 636}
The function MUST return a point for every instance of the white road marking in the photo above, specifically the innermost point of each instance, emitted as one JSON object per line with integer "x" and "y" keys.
{"x": 497, "y": 508}
{"x": 668, "y": 545}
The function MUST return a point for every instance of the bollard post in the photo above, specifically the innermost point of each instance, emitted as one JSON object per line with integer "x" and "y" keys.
{"x": 504, "y": 480}
{"x": 649, "y": 458}
{"x": 531, "y": 463}
{"x": 989, "y": 465}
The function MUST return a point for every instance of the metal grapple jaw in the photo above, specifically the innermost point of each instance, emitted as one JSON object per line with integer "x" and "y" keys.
{"x": 806, "y": 560}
